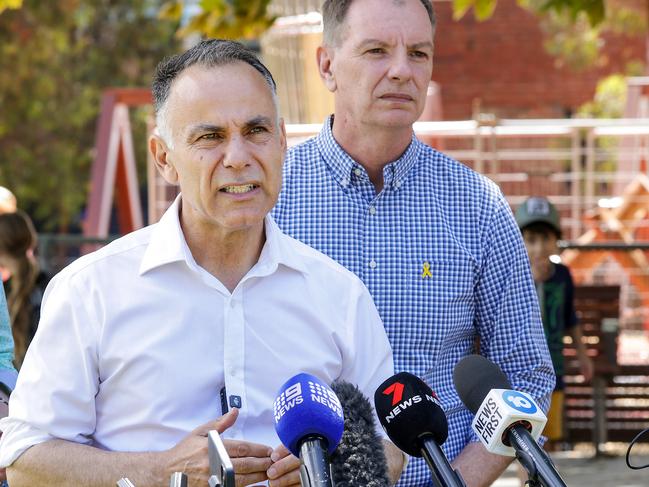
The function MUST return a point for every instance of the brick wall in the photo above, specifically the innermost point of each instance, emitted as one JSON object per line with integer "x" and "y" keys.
{"x": 503, "y": 63}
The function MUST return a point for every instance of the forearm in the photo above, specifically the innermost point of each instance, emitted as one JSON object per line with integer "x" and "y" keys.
{"x": 395, "y": 458}
{"x": 63, "y": 463}
{"x": 478, "y": 467}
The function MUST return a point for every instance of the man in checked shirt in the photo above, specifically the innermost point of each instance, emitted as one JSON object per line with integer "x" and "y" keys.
{"x": 435, "y": 242}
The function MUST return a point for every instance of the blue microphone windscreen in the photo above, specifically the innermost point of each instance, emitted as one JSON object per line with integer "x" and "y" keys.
{"x": 307, "y": 407}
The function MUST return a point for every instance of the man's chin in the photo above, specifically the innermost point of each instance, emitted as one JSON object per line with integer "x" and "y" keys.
{"x": 397, "y": 118}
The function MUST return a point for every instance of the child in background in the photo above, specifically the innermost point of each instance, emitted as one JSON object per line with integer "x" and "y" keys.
{"x": 538, "y": 220}
{"x": 24, "y": 283}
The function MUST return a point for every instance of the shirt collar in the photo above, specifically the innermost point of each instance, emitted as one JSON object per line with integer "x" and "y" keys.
{"x": 343, "y": 166}
{"x": 168, "y": 244}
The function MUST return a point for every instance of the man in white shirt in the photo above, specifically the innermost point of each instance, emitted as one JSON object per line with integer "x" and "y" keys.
{"x": 143, "y": 343}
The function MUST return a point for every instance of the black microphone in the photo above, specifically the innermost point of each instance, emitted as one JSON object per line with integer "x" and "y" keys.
{"x": 359, "y": 459}
{"x": 413, "y": 418}
{"x": 506, "y": 421}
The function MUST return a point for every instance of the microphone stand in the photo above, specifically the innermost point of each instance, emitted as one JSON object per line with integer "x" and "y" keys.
{"x": 434, "y": 456}
{"x": 315, "y": 470}
{"x": 542, "y": 473}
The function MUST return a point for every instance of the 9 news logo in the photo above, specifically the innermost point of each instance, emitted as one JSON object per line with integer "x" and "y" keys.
{"x": 520, "y": 402}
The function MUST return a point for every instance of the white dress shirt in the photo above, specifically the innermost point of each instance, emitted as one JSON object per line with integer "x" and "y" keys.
{"x": 136, "y": 341}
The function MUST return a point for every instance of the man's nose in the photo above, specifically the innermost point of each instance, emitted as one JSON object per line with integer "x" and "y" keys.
{"x": 400, "y": 68}
{"x": 236, "y": 155}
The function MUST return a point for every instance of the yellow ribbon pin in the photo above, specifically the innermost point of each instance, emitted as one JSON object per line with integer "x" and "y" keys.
{"x": 426, "y": 271}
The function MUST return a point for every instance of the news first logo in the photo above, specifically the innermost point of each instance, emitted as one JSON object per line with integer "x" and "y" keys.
{"x": 499, "y": 410}
{"x": 293, "y": 396}
{"x": 396, "y": 391}
{"x": 520, "y": 402}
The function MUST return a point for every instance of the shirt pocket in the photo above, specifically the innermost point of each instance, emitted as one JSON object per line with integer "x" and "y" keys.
{"x": 443, "y": 290}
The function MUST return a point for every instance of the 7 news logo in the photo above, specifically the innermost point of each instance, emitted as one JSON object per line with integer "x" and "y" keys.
{"x": 396, "y": 390}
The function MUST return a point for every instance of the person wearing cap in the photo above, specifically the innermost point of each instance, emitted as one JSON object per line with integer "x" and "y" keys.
{"x": 539, "y": 222}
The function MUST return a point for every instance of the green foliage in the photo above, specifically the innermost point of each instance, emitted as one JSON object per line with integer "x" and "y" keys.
{"x": 572, "y": 42}
{"x": 594, "y": 9}
{"x": 482, "y": 9}
{"x": 228, "y": 19}
{"x": 55, "y": 60}
{"x": 10, "y": 4}
{"x": 573, "y": 28}
{"x": 609, "y": 100}
{"x": 575, "y": 40}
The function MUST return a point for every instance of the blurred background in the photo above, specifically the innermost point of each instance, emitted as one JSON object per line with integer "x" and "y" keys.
{"x": 544, "y": 97}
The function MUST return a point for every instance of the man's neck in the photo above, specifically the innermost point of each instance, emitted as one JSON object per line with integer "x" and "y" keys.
{"x": 372, "y": 148}
{"x": 228, "y": 256}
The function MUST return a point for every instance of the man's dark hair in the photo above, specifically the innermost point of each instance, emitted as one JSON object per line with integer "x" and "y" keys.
{"x": 209, "y": 53}
{"x": 334, "y": 13}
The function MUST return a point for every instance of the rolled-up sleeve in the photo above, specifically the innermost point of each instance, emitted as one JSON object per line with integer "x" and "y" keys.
{"x": 508, "y": 317}
{"x": 55, "y": 393}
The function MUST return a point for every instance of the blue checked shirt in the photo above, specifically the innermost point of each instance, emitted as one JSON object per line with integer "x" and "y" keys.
{"x": 440, "y": 252}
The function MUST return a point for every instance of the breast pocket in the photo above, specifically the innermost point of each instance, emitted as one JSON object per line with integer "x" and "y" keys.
{"x": 443, "y": 291}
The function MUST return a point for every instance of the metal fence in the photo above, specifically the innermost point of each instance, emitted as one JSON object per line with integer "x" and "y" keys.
{"x": 580, "y": 164}
{"x": 594, "y": 171}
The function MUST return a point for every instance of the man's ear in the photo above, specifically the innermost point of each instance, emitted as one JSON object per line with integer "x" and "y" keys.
{"x": 282, "y": 128}
{"x": 324, "y": 57}
{"x": 160, "y": 154}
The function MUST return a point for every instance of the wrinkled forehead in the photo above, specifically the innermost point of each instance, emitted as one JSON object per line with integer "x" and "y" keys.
{"x": 386, "y": 20}
{"x": 230, "y": 90}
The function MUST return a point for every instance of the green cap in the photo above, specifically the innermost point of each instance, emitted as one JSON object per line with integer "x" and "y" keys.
{"x": 538, "y": 210}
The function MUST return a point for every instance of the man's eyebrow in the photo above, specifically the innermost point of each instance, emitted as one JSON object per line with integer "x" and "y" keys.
{"x": 422, "y": 45}
{"x": 373, "y": 42}
{"x": 259, "y": 120}
{"x": 380, "y": 43}
{"x": 202, "y": 128}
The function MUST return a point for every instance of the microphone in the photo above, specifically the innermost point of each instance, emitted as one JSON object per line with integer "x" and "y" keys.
{"x": 412, "y": 416}
{"x": 359, "y": 458}
{"x": 178, "y": 479}
{"x": 508, "y": 422}
{"x": 309, "y": 422}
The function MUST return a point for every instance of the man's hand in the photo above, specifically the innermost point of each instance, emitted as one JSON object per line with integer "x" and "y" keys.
{"x": 250, "y": 460}
{"x": 478, "y": 467}
{"x": 190, "y": 455}
{"x": 395, "y": 459}
{"x": 285, "y": 470}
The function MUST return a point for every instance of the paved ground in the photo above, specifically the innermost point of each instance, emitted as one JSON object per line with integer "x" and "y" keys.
{"x": 582, "y": 469}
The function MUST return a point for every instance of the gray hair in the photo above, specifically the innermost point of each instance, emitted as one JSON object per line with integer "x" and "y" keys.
{"x": 334, "y": 13}
{"x": 208, "y": 53}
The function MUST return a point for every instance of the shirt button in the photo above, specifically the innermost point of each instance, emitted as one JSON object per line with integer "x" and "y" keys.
{"x": 358, "y": 172}
{"x": 372, "y": 210}
{"x": 372, "y": 264}
{"x": 233, "y": 303}
{"x": 397, "y": 184}
{"x": 344, "y": 182}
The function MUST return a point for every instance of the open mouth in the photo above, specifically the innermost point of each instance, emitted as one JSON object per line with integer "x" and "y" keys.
{"x": 239, "y": 188}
